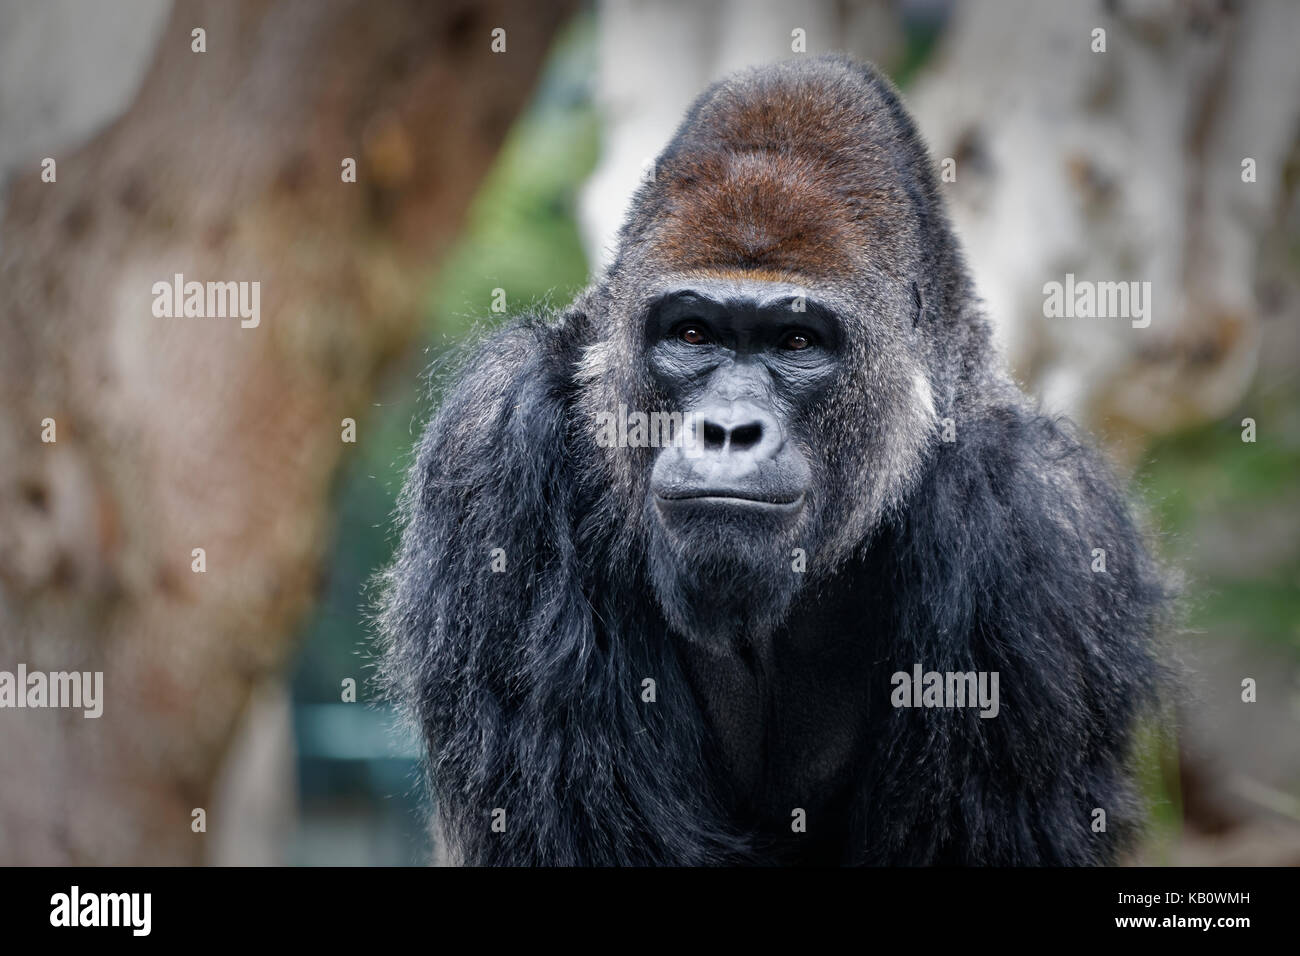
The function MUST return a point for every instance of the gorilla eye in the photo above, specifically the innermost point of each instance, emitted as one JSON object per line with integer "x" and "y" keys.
{"x": 796, "y": 342}
{"x": 691, "y": 335}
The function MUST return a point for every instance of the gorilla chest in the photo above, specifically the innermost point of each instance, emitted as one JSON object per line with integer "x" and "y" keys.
{"x": 786, "y": 728}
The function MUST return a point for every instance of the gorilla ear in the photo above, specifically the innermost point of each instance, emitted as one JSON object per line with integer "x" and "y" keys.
{"x": 920, "y": 305}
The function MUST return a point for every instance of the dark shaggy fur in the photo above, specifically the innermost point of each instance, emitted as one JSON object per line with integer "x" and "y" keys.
{"x": 958, "y": 556}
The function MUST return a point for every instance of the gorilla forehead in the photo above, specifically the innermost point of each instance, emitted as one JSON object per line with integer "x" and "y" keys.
{"x": 760, "y": 295}
{"x": 786, "y": 170}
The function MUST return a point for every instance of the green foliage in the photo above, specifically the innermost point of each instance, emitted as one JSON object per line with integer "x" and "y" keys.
{"x": 1230, "y": 511}
{"x": 521, "y": 235}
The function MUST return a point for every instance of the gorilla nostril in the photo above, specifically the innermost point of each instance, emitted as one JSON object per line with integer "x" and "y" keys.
{"x": 746, "y": 436}
{"x": 715, "y": 436}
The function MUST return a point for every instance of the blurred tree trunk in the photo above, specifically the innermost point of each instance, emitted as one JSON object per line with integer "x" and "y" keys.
{"x": 1124, "y": 165}
{"x": 183, "y": 433}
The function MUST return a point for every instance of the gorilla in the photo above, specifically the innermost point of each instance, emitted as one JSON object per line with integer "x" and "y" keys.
{"x": 710, "y": 650}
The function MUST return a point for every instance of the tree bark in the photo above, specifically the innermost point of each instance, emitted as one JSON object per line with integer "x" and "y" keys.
{"x": 183, "y": 433}
{"x": 1122, "y": 165}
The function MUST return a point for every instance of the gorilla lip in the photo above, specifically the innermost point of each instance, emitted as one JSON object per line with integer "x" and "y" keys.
{"x": 731, "y": 499}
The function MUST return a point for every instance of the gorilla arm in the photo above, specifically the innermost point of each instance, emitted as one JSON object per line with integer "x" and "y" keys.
{"x": 479, "y": 483}
{"x": 994, "y": 563}
{"x": 528, "y": 695}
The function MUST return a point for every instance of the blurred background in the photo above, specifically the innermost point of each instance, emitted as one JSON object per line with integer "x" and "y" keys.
{"x": 1165, "y": 149}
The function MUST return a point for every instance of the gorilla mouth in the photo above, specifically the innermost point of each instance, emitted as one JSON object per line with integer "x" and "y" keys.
{"x": 709, "y": 499}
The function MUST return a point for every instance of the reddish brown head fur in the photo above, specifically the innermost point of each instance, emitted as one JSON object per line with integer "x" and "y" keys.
{"x": 789, "y": 175}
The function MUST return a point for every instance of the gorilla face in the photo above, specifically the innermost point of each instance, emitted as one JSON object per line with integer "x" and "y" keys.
{"x": 801, "y": 307}
{"x": 741, "y": 359}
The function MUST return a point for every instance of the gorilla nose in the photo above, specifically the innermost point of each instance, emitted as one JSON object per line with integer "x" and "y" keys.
{"x": 735, "y": 460}
{"x": 739, "y": 430}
